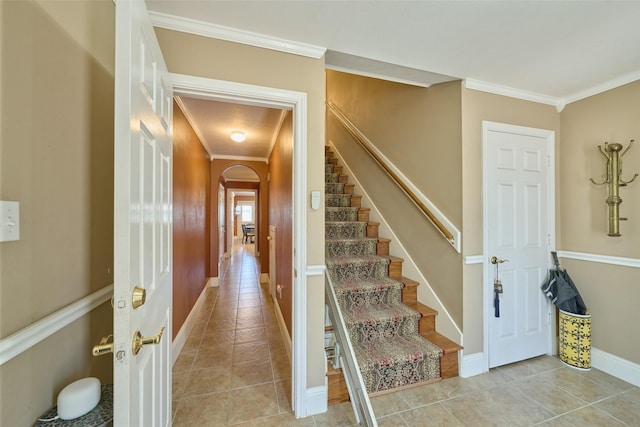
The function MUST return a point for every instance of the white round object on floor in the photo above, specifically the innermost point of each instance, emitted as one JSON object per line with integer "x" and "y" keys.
{"x": 78, "y": 398}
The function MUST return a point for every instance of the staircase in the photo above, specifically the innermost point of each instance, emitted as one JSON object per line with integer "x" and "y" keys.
{"x": 393, "y": 335}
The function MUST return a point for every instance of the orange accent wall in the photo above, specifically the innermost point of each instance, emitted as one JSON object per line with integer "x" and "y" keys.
{"x": 281, "y": 201}
{"x": 218, "y": 166}
{"x": 191, "y": 194}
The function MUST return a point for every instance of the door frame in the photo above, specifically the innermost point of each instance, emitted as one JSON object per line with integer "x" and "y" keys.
{"x": 231, "y": 213}
{"x": 487, "y": 267}
{"x": 227, "y": 91}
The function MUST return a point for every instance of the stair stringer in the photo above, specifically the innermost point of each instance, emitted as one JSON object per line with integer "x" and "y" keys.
{"x": 445, "y": 325}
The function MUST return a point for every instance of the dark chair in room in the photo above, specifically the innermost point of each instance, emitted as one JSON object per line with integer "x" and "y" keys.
{"x": 248, "y": 233}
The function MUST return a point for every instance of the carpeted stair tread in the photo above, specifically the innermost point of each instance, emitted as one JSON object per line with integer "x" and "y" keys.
{"x": 331, "y": 177}
{"x": 362, "y": 246}
{"x": 397, "y": 362}
{"x": 380, "y": 321}
{"x": 334, "y": 188}
{"x": 338, "y": 200}
{"x": 367, "y": 291}
{"x": 340, "y": 214}
{"x": 345, "y": 229}
{"x": 353, "y": 268}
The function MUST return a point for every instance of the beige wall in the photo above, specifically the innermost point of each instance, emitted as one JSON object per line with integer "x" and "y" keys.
{"x": 418, "y": 130}
{"x": 610, "y": 292}
{"x": 476, "y": 107}
{"x": 56, "y": 142}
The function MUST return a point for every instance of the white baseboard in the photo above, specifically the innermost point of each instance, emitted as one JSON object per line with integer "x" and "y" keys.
{"x": 618, "y": 367}
{"x": 264, "y": 278}
{"x": 316, "y": 400}
{"x": 472, "y": 364}
{"x": 283, "y": 327}
{"x": 187, "y": 326}
{"x": 213, "y": 282}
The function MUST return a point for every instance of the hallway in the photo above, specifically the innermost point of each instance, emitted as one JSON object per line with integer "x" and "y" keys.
{"x": 234, "y": 367}
{"x": 234, "y": 370}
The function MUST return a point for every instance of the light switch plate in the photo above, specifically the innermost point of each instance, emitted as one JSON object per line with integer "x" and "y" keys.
{"x": 9, "y": 221}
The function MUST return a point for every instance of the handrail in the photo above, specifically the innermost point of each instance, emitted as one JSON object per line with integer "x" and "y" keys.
{"x": 350, "y": 369}
{"x": 421, "y": 201}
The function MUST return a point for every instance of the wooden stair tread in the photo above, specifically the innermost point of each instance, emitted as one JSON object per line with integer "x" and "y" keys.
{"x": 406, "y": 281}
{"x": 422, "y": 309}
{"x": 443, "y": 342}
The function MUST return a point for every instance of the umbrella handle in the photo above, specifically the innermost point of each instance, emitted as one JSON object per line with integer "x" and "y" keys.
{"x": 554, "y": 254}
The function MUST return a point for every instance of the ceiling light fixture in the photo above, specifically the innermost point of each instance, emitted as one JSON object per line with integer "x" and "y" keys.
{"x": 238, "y": 136}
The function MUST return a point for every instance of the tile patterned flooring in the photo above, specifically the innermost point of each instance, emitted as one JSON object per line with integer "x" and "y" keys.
{"x": 234, "y": 370}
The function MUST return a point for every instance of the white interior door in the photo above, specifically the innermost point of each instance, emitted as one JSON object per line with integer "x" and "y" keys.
{"x": 143, "y": 222}
{"x": 518, "y": 227}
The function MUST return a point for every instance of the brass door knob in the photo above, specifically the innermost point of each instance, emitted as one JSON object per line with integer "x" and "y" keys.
{"x": 103, "y": 347}
{"x": 139, "y": 297}
{"x": 139, "y": 341}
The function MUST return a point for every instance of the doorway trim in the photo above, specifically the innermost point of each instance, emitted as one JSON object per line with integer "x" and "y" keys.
{"x": 230, "y": 196}
{"x": 487, "y": 303}
{"x": 243, "y": 93}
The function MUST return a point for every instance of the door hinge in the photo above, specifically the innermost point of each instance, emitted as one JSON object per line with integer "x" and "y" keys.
{"x": 549, "y": 239}
{"x": 548, "y": 161}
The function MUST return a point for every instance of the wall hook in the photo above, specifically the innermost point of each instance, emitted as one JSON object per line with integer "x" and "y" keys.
{"x": 613, "y": 178}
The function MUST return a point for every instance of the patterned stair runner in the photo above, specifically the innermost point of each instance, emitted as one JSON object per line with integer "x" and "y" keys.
{"x": 384, "y": 332}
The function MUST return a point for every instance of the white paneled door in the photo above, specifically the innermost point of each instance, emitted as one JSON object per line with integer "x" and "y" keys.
{"x": 518, "y": 231}
{"x": 143, "y": 223}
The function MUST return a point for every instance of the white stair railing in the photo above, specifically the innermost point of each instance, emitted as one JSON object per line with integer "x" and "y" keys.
{"x": 345, "y": 355}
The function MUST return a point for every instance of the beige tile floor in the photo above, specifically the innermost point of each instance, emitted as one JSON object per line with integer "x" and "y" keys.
{"x": 234, "y": 370}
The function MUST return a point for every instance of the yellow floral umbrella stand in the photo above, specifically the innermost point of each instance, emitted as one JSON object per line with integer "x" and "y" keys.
{"x": 575, "y": 339}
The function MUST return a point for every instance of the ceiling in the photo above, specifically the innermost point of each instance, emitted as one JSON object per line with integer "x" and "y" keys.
{"x": 213, "y": 122}
{"x": 551, "y": 51}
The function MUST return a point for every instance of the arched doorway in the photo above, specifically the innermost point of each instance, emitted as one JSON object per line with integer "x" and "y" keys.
{"x": 243, "y": 205}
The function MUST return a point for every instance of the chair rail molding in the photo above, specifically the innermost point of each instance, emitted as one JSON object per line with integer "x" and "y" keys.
{"x": 604, "y": 259}
{"x": 31, "y": 335}
{"x": 582, "y": 256}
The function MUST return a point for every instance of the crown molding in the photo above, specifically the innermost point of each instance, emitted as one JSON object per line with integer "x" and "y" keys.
{"x": 559, "y": 103}
{"x": 611, "y": 84}
{"x": 193, "y": 123}
{"x": 276, "y": 132}
{"x": 201, "y": 28}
